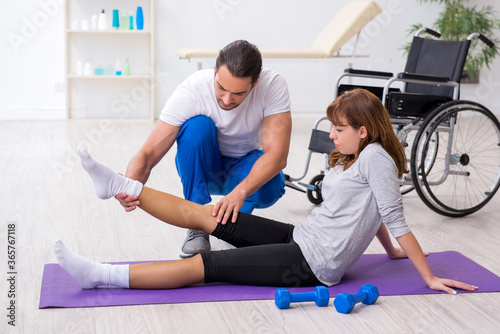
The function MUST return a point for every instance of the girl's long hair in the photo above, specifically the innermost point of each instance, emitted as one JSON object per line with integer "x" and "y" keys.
{"x": 361, "y": 108}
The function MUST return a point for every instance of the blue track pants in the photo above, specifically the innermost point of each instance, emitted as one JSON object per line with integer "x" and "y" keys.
{"x": 204, "y": 171}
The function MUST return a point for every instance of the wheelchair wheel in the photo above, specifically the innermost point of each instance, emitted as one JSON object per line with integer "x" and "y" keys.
{"x": 406, "y": 184}
{"x": 406, "y": 181}
{"x": 314, "y": 196}
{"x": 465, "y": 170}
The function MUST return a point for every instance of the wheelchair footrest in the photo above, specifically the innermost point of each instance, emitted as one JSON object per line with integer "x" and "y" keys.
{"x": 294, "y": 186}
{"x": 309, "y": 186}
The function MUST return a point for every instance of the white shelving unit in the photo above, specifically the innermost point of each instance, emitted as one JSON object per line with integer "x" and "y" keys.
{"x": 109, "y": 96}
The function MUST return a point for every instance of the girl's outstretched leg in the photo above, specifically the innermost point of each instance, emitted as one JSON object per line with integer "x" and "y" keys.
{"x": 168, "y": 208}
{"x": 154, "y": 275}
{"x": 168, "y": 274}
{"x": 177, "y": 211}
{"x": 91, "y": 274}
{"x": 107, "y": 182}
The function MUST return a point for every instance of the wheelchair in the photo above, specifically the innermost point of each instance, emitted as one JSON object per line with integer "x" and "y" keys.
{"x": 452, "y": 145}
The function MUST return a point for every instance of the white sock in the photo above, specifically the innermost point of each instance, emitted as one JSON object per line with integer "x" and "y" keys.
{"x": 91, "y": 274}
{"x": 107, "y": 182}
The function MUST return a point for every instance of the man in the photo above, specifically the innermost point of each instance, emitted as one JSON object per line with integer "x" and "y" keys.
{"x": 232, "y": 126}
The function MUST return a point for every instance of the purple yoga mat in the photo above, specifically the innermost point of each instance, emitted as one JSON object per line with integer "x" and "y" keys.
{"x": 392, "y": 277}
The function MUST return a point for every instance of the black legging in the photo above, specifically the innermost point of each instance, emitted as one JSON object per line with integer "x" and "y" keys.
{"x": 265, "y": 255}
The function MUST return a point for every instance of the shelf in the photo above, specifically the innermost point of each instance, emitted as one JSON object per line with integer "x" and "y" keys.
{"x": 109, "y": 96}
{"x": 110, "y": 77}
{"x": 109, "y": 31}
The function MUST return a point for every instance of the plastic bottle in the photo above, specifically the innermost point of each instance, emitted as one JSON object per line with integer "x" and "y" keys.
{"x": 118, "y": 67}
{"x": 126, "y": 68}
{"x": 109, "y": 69}
{"x": 99, "y": 69}
{"x": 94, "y": 21}
{"x": 116, "y": 20}
{"x": 139, "y": 19}
{"x": 103, "y": 21}
{"x": 87, "y": 69}
{"x": 124, "y": 21}
{"x": 131, "y": 20}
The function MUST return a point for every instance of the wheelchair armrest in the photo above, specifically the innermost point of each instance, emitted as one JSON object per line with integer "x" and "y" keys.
{"x": 424, "y": 77}
{"x": 365, "y": 72}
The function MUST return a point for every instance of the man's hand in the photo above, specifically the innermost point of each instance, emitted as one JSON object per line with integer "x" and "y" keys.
{"x": 152, "y": 151}
{"x": 229, "y": 204}
{"x": 129, "y": 203}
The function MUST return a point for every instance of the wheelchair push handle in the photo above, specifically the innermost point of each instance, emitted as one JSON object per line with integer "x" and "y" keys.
{"x": 483, "y": 39}
{"x": 428, "y": 31}
{"x": 434, "y": 33}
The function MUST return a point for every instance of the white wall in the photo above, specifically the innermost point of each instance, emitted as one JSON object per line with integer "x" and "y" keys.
{"x": 31, "y": 60}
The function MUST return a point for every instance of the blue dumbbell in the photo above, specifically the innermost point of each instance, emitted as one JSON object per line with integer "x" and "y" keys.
{"x": 345, "y": 302}
{"x": 283, "y": 297}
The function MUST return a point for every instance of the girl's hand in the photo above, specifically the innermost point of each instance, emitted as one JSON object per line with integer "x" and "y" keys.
{"x": 399, "y": 253}
{"x": 446, "y": 285}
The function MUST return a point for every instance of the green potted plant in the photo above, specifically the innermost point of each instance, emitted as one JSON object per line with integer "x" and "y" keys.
{"x": 456, "y": 22}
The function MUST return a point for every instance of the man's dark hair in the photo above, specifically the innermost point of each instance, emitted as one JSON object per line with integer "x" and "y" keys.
{"x": 242, "y": 59}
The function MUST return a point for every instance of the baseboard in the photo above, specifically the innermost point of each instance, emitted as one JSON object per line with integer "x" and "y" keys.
{"x": 32, "y": 114}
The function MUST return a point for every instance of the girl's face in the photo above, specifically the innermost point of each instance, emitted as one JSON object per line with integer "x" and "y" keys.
{"x": 346, "y": 138}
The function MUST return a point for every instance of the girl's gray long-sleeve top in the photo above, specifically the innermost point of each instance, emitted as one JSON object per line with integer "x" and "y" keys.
{"x": 356, "y": 202}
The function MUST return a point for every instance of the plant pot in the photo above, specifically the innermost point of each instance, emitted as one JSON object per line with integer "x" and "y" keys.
{"x": 472, "y": 78}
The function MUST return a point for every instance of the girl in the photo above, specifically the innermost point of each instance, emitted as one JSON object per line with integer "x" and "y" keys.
{"x": 361, "y": 193}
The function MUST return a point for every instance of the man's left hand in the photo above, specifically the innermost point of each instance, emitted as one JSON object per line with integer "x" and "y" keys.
{"x": 229, "y": 204}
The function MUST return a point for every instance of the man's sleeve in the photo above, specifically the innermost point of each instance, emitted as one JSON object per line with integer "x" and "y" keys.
{"x": 180, "y": 107}
{"x": 276, "y": 98}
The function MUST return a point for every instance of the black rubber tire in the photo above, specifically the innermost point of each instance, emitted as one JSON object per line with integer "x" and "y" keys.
{"x": 461, "y": 187}
{"x": 314, "y": 196}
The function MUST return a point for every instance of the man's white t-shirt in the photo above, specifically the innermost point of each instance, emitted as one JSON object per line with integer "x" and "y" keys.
{"x": 239, "y": 129}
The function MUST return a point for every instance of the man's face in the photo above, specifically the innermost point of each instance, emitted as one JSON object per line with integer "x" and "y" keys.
{"x": 229, "y": 90}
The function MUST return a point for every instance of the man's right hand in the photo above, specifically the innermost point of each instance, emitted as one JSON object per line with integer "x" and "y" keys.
{"x": 152, "y": 151}
{"x": 129, "y": 203}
